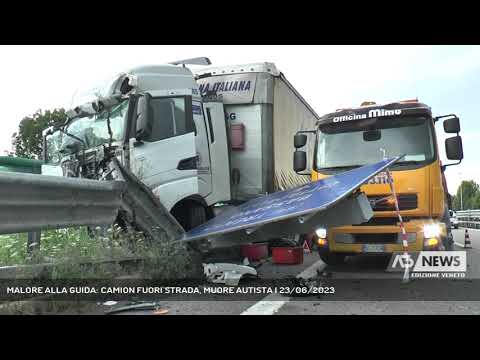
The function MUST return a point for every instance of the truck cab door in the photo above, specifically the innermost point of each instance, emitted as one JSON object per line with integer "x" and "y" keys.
{"x": 203, "y": 151}
{"x": 219, "y": 148}
{"x": 165, "y": 158}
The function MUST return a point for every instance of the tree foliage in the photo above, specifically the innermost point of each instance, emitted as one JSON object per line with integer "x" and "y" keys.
{"x": 27, "y": 142}
{"x": 469, "y": 193}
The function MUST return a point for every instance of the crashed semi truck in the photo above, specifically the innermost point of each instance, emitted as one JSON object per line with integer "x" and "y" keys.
{"x": 199, "y": 142}
{"x": 349, "y": 138}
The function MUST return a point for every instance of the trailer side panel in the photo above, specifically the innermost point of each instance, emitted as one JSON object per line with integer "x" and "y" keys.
{"x": 290, "y": 113}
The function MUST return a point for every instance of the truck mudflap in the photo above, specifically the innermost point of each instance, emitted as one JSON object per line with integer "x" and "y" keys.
{"x": 332, "y": 201}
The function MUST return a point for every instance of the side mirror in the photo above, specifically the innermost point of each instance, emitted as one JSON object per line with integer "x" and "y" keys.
{"x": 454, "y": 148}
{"x": 299, "y": 160}
{"x": 452, "y": 125}
{"x": 143, "y": 125}
{"x": 299, "y": 140}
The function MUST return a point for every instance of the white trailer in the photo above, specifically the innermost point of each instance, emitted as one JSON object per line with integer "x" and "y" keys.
{"x": 263, "y": 112}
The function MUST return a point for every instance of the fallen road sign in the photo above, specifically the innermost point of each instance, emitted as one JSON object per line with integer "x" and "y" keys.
{"x": 328, "y": 202}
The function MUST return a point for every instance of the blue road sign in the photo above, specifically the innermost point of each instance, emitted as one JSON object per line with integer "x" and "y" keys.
{"x": 306, "y": 199}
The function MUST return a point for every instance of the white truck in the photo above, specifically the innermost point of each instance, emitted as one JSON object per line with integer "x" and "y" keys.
{"x": 216, "y": 137}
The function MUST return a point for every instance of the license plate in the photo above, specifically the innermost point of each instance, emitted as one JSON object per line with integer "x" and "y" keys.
{"x": 373, "y": 248}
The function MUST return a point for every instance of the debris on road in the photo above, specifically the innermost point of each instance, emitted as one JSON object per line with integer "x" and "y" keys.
{"x": 255, "y": 251}
{"x": 228, "y": 274}
{"x": 135, "y": 306}
{"x": 160, "y": 312}
{"x": 110, "y": 303}
{"x": 287, "y": 255}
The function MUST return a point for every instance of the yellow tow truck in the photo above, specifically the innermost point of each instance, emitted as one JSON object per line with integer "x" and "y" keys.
{"x": 349, "y": 138}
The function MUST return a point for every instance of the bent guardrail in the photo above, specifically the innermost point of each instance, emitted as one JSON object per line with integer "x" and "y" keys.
{"x": 31, "y": 202}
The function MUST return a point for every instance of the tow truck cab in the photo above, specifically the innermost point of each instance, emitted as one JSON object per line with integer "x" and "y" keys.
{"x": 349, "y": 138}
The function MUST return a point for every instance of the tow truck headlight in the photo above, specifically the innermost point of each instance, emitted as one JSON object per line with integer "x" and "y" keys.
{"x": 431, "y": 230}
{"x": 321, "y": 233}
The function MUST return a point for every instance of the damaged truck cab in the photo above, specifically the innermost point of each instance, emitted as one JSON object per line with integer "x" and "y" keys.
{"x": 153, "y": 120}
{"x": 200, "y": 142}
{"x": 349, "y": 138}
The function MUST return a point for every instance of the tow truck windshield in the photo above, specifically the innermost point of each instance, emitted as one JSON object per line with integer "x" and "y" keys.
{"x": 342, "y": 146}
{"x": 93, "y": 130}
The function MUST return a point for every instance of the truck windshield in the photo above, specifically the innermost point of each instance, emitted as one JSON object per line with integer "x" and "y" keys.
{"x": 93, "y": 130}
{"x": 346, "y": 145}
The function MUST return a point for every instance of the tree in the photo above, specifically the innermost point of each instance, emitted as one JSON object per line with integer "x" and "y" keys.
{"x": 469, "y": 193}
{"x": 27, "y": 142}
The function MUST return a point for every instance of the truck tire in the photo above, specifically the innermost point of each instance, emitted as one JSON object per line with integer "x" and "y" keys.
{"x": 448, "y": 243}
{"x": 189, "y": 214}
{"x": 196, "y": 216}
{"x": 332, "y": 258}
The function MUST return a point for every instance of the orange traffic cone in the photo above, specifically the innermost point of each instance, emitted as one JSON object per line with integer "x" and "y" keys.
{"x": 306, "y": 247}
{"x": 467, "y": 245}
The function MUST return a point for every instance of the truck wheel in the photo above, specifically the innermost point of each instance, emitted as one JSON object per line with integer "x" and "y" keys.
{"x": 189, "y": 214}
{"x": 332, "y": 258}
{"x": 448, "y": 242}
{"x": 196, "y": 216}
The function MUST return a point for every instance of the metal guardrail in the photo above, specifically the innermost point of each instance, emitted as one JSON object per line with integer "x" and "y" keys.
{"x": 141, "y": 207}
{"x": 31, "y": 202}
{"x": 469, "y": 218}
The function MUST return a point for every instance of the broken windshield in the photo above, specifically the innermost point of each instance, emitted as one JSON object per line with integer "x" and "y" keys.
{"x": 348, "y": 146}
{"x": 93, "y": 130}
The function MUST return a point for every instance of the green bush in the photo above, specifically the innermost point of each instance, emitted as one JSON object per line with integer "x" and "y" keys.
{"x": 71, "y": 248}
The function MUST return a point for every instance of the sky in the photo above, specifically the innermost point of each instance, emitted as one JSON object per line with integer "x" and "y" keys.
{"x": 447, "y": 78}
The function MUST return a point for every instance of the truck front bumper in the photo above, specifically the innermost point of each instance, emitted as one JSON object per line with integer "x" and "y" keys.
{"x": 382, "y": 238}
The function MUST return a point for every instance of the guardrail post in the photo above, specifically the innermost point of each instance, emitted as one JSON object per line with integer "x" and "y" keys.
{"x": 33, "y": 241}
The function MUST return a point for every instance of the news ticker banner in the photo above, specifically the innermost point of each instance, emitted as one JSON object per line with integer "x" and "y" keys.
{"x": 354, "y": 289}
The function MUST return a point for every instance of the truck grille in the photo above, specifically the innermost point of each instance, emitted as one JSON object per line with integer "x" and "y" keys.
{"x": 373, "y": 238}
{"x": 377, "y": 221}
{"x": 385, "y": 202}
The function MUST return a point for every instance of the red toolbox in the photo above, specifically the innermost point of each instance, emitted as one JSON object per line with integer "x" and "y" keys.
{"x": 287, "y": 255}
{"x": 255, "y": 251}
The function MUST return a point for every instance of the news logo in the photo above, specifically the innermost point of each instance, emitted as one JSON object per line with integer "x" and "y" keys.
{"x": 441, "y": 264}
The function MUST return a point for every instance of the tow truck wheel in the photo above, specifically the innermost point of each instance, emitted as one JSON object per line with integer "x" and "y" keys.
{"x": 332, "y": 258}
{"x": 448, "y": 242}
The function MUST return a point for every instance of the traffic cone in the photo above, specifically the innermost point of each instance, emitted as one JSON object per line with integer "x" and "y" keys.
{"x": 306, "y": 247}
{"x": 467, "y": 245}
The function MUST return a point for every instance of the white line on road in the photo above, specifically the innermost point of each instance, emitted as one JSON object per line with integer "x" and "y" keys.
{"x": 458, "y": 244}
{"x": 269, "y": 306}
{"x": 265, "y": 307}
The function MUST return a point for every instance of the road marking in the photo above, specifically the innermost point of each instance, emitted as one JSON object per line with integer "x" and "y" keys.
{"x": 269, "y": 306}
{"x": 265, "y": 307}
{"x": 458, "y": 244}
